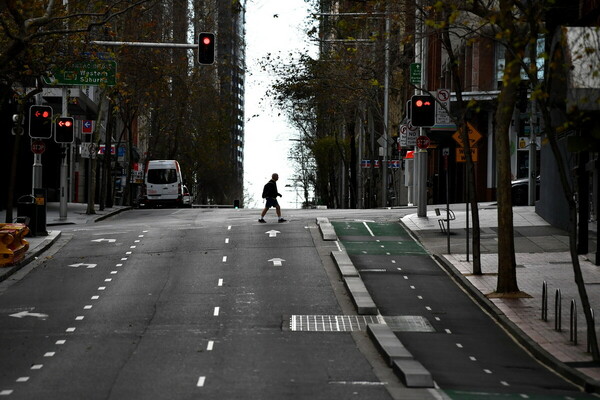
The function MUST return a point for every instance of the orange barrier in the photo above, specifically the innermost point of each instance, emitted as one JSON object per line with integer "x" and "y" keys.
{"x": 12, "y": 243}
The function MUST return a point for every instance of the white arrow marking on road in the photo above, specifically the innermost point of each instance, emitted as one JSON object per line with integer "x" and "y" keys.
{"x": 23, "y": 314}
{"x": 277, "y": 262}
{"x": 104, "y": 240}
{"x": 272, "y": 233}
{"x": 82, "y": 264}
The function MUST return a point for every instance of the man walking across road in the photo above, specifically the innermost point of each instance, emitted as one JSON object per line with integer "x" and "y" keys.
{"x": 270, "y": 193}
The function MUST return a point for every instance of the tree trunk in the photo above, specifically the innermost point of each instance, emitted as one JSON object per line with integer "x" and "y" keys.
{"x": 507, "y": 273}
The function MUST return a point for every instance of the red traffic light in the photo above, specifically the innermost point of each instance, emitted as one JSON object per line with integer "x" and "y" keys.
{"x": 206, "y": 48}
{"x": 40, "y": 118}
{"x": 64, "y": 132}
{"x": 65, "y": 123}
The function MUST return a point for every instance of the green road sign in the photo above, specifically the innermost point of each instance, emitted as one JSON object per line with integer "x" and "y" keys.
{"x": 86, "y": 73}
{"x": 415, "y": 73}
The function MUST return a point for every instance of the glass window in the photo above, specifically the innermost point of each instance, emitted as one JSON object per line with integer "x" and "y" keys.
{"x": 162, "y": 176}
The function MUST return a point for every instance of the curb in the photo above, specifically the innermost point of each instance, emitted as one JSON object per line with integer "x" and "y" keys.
{"x": 52, "y": 237}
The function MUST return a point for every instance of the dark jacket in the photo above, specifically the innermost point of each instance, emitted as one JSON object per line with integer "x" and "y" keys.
{"x": 270, "y": 190}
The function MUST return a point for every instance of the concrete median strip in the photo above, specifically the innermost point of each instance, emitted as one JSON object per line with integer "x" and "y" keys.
{"x": 326, "y": 228}
{"x": 410, "y": 371}
{"x": 360, "y": 296}
{"x": 344, "y": 264}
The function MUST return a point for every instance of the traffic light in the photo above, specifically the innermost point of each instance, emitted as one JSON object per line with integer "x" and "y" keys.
{"x": 422, "y": 111}
{"x": 64, "y": 130}
{"x": 206, "y": 48}
{"x": 40, "y": 122}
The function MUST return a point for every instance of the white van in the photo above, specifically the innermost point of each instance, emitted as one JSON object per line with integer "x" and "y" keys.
{"x": 162, "y": 183}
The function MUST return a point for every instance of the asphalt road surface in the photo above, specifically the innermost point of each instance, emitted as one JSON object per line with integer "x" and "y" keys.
{"x": 198, "y": 303}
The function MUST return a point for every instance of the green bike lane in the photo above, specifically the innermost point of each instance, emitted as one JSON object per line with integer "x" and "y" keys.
{"x": 467, "y": 353}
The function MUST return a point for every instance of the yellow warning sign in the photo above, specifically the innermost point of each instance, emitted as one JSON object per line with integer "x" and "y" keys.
{"x": 461, "y": 157}
{"x": 474, "y": 135}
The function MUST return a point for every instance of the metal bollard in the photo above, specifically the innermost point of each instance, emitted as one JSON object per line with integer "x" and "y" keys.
{"x": 545, "y": 301}
{"x": 573, "y": 323}
{"x": 558, "y": 311}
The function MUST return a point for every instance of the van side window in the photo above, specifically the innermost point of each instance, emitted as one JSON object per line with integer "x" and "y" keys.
{"x": 162, "y": 176}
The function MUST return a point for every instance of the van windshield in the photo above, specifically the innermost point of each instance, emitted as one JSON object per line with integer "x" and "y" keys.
{"x": 162, "y": 176}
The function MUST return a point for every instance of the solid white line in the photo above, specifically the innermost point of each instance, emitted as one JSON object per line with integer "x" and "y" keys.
{"x": 201, "y": 381}
{"x": 210, "y": 345}
{"x": 216, "y": 312}
{"x": 369, "y": 229}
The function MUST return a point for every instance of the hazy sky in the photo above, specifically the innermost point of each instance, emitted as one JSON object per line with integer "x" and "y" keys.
{"x": 272, "y": 26}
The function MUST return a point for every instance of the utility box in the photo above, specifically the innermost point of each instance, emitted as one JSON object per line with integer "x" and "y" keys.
{"x": 31, "y": 210}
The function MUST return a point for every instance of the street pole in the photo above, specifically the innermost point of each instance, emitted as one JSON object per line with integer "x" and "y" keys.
{"x": 386, "y": 89}
{"x": 63, "y": 165}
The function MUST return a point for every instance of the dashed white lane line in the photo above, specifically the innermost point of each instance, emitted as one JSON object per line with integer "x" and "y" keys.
{"x": 128, "y": 253}
{"x": 102, "y": 288}
{"x": 210, "y": 345}
{"x": 71, "y": 329}
{"x": 216, "y": 312}
{"x": 61, "y": 342}
{"x": 229, "y": 228}
{"x": 393, "y": 261}
{"x": 220, "y": 282}
{"x": 49, "y": 354}
{"x": 37, "y": 366}
{"x": 136, "y": 241}
{"x": 119, "y": 265}
{"x": 6, "y": 392}
{"x": 87, "y": 307}
{"x": 108, "y": 280}
{"x": 201, "y": 381}
{"x": 22, "y": 379}
{"x": 113, "y": 272}
{"x": 448, "y": 331}
{"x": 95, "y": 297}
{"x": 124, "y": 259}
{"x": 504, "y": 383}
{"x": 224, "y": 258}
{"x": 132, "y": 247}
{"x": 79, "y": 318}
{"x": 226, "y": 240}
{"x": 472, "y": 358}
{"x": 487, "y": 371}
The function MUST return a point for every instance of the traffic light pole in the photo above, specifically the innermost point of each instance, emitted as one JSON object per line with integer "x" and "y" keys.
{"x": 63, "y": 165}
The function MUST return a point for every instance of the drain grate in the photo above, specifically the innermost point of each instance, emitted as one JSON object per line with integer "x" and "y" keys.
{"x": 351, "y": 323}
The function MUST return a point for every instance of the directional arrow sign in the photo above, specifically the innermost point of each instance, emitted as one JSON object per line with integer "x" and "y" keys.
{"x": 24, "y": 314}
{"x": 277, "y": 262}
{"x": 272, "y": 233}
{"x": 104, "y": 240}
{"x": 83, "y": 265}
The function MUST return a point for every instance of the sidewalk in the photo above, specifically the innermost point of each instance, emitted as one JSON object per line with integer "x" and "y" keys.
{"x": 542, "y": 254}
{"x": 76, "y": 214}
